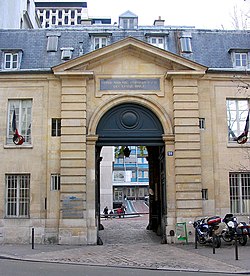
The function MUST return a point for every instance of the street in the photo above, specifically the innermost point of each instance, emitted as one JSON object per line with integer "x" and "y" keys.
{"x": 23, "y": 268}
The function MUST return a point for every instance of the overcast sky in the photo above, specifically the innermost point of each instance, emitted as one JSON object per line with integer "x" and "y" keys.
{"x": 208, "y": 14}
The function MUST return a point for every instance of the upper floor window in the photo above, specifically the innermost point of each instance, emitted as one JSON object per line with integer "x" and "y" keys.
{"x": 11, "y": 60}
{"x": 100, "y": 42}
{"x": 158, "y": 42}
{"x": 241, "y": 59}
{"x": 237, "y": 111}
{"x": 185, "y": 42}
{"x": 128, "y": 20}
{"x": 56, "y": 127}
{"x": 19, "y": 118}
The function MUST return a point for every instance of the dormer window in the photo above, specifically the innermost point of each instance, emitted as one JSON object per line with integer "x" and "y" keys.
{"x": 128, "y": 20}
{"x": 100, "y": 42}
{"x": 240, "y": 58}
{"x": 157, "y": 41}
{"x": 12, "y": 60}
{"x": 185, "y": 42}
{"x": 67, "y": 53}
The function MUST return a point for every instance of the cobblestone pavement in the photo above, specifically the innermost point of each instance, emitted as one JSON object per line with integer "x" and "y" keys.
{"x": 127, "y": 243}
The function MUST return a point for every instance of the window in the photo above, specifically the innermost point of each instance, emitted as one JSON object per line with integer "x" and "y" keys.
{"x": 204, "y": 194}
{"x": 128, "y": 23}
{"x": 17, "y": 196}
{"x": 56, "y": 127}
{"x": 55, "y": 184}
{"x": 157, "y": 41}
{"x": 185, "y": 42}
{"x": 239, "y": 192}
{"x": 23, "y": 109}
{"x": 202, "y": 123}
{"x": 237, "y": 111}
{"x": 11, "y": 61}
{"x": 52, "y": 43}
{"x": 100, "y": 42}
{"x": 241, "y": 59}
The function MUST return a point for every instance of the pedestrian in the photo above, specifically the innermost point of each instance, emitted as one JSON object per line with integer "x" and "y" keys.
{"x": 111, "y": 213}
{"x": 105, "y": 212}
{"x": 123, "y": 209}
{"x": 119, "y": 211}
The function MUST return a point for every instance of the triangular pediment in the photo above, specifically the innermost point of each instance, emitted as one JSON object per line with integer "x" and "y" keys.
{"x": 131, "y": 54}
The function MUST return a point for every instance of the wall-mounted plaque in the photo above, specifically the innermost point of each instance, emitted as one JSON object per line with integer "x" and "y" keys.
{"x": 120, "y": 84}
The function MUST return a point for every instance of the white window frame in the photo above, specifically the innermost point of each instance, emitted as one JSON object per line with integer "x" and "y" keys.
{"x": 17, "y": 197}
{"x": 11, "y": 61}
{"x": 100, "y": 42}
{"x": 239, "y": 183}
{"x": 241, "y": 60}
{"x": 157, "y": 41}
{"x": 23, "y": 110}
{"x": 55, "y": 182}
{"x": 237, "y": 111}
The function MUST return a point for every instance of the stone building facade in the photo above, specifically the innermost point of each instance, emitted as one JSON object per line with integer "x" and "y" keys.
{"x": 186, "y": 102}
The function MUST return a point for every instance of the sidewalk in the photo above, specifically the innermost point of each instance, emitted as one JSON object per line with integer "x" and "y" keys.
{"x": 128, "y": 244}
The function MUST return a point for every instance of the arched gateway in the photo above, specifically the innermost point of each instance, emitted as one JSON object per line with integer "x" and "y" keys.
{"x": 134, "y": 124}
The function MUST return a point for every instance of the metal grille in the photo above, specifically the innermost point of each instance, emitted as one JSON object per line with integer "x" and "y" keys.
{"x": 17, "y": 196}
{"x": 55, "y": 182}
{"x": 240, "y": 192}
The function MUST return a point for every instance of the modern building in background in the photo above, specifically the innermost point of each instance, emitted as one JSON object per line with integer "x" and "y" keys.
{"x": 18, "y": 14}
{"x": 130, "y": 176}
{"x": 65, "y": 13}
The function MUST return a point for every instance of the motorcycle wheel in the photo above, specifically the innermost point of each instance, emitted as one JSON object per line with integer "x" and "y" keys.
{"x": 243, "y": 240}
{"x": 226, "y": 237}
{"x": 217, "y": 242}
{"x": 201, "y": 240}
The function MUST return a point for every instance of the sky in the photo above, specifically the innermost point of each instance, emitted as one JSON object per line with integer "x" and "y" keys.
{"x": 205, "y": 14}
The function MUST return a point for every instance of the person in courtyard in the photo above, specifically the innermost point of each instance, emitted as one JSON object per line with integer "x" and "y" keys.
{"x": 119, "y": 212}
{"x": 123, "y": 209}
{"x": 105, "y": 212}
{"x": 111, "y": 213}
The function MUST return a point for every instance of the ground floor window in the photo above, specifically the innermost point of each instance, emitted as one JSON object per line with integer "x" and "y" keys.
{"x": 240, "y": 192}
{"x": 17, "y": 196}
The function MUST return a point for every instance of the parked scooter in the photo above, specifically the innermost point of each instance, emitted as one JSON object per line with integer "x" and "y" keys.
{"x": 206, "y": 230}
{"x": 234, "y": 229}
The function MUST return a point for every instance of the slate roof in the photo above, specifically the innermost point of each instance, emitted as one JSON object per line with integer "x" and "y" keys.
{"x": 210, "y": 47}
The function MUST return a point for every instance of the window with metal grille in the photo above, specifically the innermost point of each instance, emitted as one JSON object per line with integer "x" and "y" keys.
{"x": 55, "y": 182}
{"x": 56, "y": 127}
{"x": 202, "y": 123}
{"x": 23, "y": 111}
{"x": 239, "y": 192}
{"x": 17, "y": 196}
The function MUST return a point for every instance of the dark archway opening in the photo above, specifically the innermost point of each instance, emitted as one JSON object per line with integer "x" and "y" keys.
{"x": 134, "y": 125}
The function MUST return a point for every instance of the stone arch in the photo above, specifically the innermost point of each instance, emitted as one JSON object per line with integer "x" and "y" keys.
{"x": 150, "y": 104}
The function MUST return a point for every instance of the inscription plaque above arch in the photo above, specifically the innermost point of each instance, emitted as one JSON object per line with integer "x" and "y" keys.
{"x": 129, "y": 124}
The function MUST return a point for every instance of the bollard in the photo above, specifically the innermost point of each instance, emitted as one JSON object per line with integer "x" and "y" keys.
{"x": 213, "y": 243}
{"x": 236, "y": 247}
{"x": 195, "y": 238}
{"x": 33, "y": 237}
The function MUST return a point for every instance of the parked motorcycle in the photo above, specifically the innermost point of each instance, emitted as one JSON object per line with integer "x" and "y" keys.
{"x": 233, "y": 228}
{"x": 206, "y": 230}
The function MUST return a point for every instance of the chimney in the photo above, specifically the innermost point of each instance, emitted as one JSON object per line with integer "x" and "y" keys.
{"x": 159, "y": 22}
